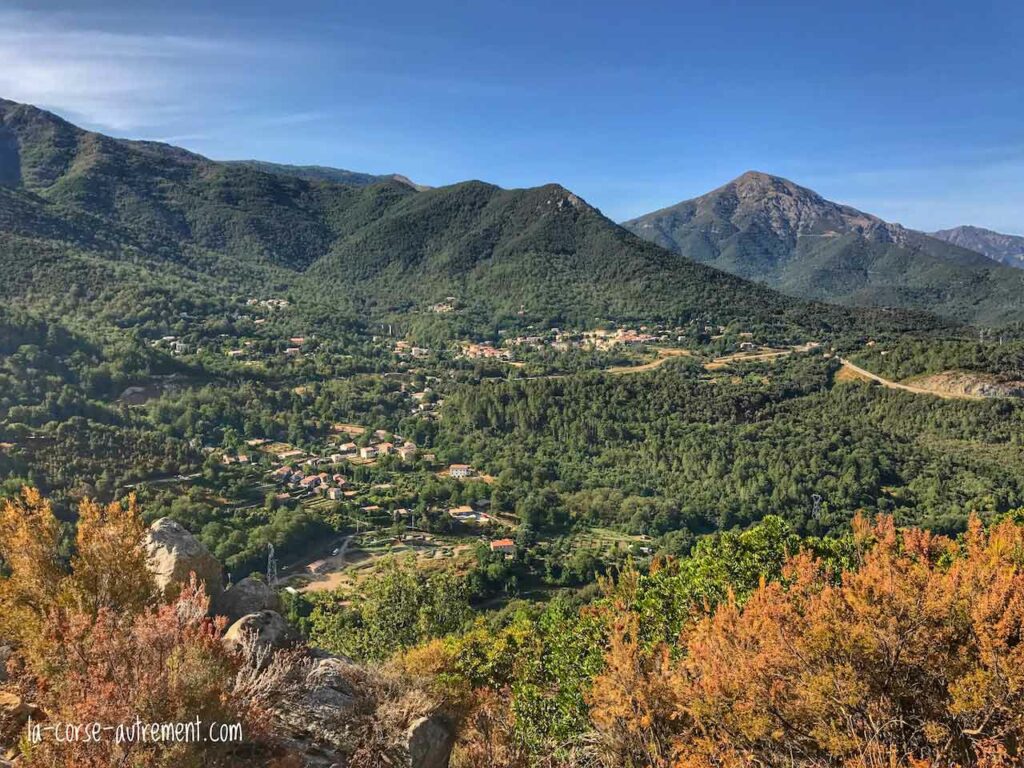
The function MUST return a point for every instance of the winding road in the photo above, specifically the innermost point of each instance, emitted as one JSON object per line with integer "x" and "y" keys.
{"x": 861, "y": 372}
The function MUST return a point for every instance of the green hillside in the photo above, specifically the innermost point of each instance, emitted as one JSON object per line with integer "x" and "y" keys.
{"x": 112, "y": 218}
{"x": 326, "y": 173}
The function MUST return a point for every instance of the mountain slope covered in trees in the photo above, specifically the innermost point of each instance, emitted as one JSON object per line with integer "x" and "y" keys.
{"x": 99, "y": 215}
{"x": 327, "y": 173}
{"x": 770, "y": 230}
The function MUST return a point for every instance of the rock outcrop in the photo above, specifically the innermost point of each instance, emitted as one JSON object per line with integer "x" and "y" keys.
{"x": 338, "y": 704}
{"x": 249, "y": 595}
{"x": 320, "y": 718}
{"x": 429, "y": 743}
{"x": 341, "y": 702}
{"x": 174, "y": 554}
{"x": 269, "y": 628}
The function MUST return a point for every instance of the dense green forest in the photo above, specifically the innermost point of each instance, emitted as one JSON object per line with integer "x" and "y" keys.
{"x": 164, "y": 314}
{"x": 666, "y": 451}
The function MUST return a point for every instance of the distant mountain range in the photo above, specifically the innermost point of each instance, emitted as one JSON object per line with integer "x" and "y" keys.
{"x": 116, "y": 229}
{"x": 770, "y": 230}
{"x": 324, "y": 173}
{"x": 1008, "y": 249}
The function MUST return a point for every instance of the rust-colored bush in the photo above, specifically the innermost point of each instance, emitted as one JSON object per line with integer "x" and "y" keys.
{"x": 94, "y": 644}
{"x": 913, "y": 658}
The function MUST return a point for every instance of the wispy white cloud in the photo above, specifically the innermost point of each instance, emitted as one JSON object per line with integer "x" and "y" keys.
{"x": 116, "y": 81}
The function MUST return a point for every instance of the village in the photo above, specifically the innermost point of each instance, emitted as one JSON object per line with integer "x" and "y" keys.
{"x": 257, "y": 344}
{"x": 376, "y": 491}
{"x": 367, "y": 482}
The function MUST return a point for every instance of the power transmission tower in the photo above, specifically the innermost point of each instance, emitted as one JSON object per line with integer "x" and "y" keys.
{"x": 271, "y": 567}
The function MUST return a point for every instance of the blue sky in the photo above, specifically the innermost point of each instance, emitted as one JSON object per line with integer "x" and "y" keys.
{"x": 911, "y": 110}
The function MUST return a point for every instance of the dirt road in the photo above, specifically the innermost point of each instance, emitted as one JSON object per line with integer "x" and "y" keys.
{"x": 864, "y": 374}
{"x": 664, "y": 355}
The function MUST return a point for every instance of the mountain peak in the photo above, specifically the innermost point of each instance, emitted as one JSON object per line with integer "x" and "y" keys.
{"x": 789, "y": 211}
{"x": 760, "y": 178}
{"x": 766, "y": 228}
{"x": 1007, "y": 249}
{"x": 754, "y": 185}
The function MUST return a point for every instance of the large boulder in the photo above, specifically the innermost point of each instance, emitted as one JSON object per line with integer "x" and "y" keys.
{"x": 269, "y": 628}
{"x": 429, "y": 742}
{"x": 175, "y": 554}
{"x": 319, "y": 719}
{"x": 339, "y": 702}
{"x": 247, "y": 596}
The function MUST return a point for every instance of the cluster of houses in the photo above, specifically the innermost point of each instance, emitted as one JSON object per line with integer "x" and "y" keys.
{"x": 607, "y": 339}
{"x": 332, "y": 486}
{"x": 565, "y": 340}
{"x": 382, "y": 444}
{"x": 406, "y": 452}
{"x": 407, "y": 349}
{"x": 172, "y": 344}
{"x": 485, "y": 352}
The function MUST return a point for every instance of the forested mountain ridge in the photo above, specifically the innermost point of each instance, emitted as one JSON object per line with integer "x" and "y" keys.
{"x": 768, "y": 229}
{"x": 541, "y": 251}
{"x": 1007, "y": 249}
{"x": 327, "y": 173}
{"x": 164, "y": 200}
{"x": 538, "y": 254}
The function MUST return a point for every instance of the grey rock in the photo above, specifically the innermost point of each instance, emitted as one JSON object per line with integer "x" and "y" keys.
{"x": 247, "y": 596}
{"x": 321, "y": 717}
{"x": 429, "y": 742}
{"x": 175, "y": 554}
{"x": 269, "y": 627}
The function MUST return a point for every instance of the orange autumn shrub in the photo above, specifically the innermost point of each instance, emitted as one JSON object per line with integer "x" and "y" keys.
{"x": 916, "y": 657}
{"x": 29, "y": 539}
{"x": 167, "y": 666}
{"x": 95, "y": 645}
{"x": 487, "y": 736}
{"x": 108, "y": 570}
{"x": 631, "y": 700}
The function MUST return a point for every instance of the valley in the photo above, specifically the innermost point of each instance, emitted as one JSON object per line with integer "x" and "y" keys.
{"x": 478, "y": 446}
{"x": 211, "y": 331}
